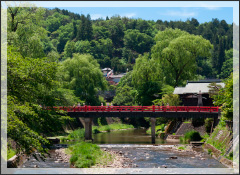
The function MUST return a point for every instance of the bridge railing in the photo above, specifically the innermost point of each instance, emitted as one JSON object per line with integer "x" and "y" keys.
{"x": 137, "y": 108}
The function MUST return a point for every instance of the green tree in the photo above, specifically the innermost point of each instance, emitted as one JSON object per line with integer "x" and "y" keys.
{"x": 116, "y": 31}
{"x": 83, "y": 47}
{"x": 69, "y": 49}
{"x": 177, "y": 51}
{"x": 139, "y": 42}
{"x": 30, "y": 84}
{"x": 225, "y": 99}
{"x": 227, "y": 67}
{"x": 220, "y": 55}
{"x": 85, "y": 30}
{"x": 25, "y": 30}
{"x": 64, "y": 34}
{"x": 147, "y": 79}
{"x": 100, "y": 32}
{"x": 125, "y": 96}
{"x": 83, "y": 75}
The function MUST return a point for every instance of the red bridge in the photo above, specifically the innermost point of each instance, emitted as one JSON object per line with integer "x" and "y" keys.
{"x": 90, "y": 112}
{"x": 204, "y": 109}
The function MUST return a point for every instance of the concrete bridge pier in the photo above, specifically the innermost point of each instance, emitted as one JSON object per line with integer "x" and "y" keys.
{"x": 88, "y": 128}
{"x": 153, "y": 123}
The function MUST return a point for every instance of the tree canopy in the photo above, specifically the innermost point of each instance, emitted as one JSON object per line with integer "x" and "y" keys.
{"x": 82, "y": 74}
{"x": 176, "y": 51}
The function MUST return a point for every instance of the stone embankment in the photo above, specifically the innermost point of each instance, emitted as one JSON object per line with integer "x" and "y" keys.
{"x": 62, "y": 156}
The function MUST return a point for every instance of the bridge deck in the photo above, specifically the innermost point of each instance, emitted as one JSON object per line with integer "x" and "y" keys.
{"x": 138, "y": 109}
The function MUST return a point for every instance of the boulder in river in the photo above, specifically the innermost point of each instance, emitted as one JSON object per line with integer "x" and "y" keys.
{"x": 173, "y": 157}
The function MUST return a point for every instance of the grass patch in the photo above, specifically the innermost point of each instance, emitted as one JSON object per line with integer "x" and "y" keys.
{"x": 10, "y": 153}
{"x": 190, "y": 136}
{"x": 85, "y": 155}
{"x": 182, "y": 147}
{"x": 108, "y": 128}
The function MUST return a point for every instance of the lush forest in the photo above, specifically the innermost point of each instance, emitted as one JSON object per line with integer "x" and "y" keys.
{"x": 55, "y": 58}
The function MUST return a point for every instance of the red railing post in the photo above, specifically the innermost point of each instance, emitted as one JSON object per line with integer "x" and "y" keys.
{"x": 85, "y": 108}
{"x": 153, "y": 108}
{"x": 198, "y": 108}
{"x": 187, "y": 108}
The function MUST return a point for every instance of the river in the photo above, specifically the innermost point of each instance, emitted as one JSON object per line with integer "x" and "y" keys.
{"x": 136, "y": 145}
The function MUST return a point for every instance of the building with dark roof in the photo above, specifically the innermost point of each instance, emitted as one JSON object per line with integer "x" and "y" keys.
{"x": 190, "y": 94}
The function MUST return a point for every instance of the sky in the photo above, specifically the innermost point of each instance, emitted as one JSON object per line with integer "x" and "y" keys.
{"x": 203, "y": 11}
{"x": 202, "y": 14}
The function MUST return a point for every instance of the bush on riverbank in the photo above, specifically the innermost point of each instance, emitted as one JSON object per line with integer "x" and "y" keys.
{"x": 85, "y": 155}
{"x": 190, "y": 136}
{"x": 74, "y": 135}
{"x": 108, "y": 128}
{"x": 159, "y": 129}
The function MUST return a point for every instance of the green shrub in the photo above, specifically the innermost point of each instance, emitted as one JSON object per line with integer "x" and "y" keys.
{"x": 158, "y": 129}
{"x": 77, "y": 134}
{"x": 114, "y": 126}
{"x": 205, "y": 137}
{"x": 182, "y": 147}
{"x": 190, "y": 136}
{"x": 63, "y": 139}
{"x": 210, "y": 151}
{"x": 208, "y": 124}
{"x": 95, "y": 131}
{"x": 230, "y": 156}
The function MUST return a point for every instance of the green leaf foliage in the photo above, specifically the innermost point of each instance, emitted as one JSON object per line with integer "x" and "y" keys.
{"x": 224, "y": 98}
{"x": 147, "y": 79}
{"x": 176, "y": 52}
{"x": 83, "y": 75}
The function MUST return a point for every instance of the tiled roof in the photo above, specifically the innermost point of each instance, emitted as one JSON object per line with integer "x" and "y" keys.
{"x": 192, "y": 88}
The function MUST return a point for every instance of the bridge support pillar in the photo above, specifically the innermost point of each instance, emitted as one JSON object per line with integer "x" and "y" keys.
{"x": 215, "y": 121}
{"x": 153, "y": 122}
{"x": 88, "y": 128}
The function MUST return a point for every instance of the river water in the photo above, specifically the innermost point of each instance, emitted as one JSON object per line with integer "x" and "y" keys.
{"x": 136, "y": 145}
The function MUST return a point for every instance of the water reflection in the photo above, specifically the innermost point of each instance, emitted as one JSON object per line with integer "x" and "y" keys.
{"x": 131, "y": 136}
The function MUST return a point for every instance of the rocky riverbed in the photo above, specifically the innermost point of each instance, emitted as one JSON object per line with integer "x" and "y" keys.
{"x": 137, "y": 156}
{"x": 120, "y": 160}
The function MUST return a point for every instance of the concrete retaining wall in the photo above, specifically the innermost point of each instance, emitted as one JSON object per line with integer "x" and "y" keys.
{"x": 16, "y": 161}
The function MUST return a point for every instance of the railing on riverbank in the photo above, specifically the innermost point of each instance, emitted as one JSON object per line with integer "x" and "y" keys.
{"x": 137, "y": 108}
